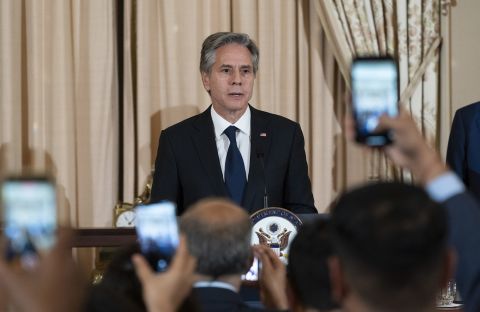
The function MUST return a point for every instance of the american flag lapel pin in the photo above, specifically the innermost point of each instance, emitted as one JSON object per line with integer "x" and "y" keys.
{"x": 263, "y": 134}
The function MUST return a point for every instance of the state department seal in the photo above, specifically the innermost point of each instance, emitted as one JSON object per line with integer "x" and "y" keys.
{"x": 276, "y": 228}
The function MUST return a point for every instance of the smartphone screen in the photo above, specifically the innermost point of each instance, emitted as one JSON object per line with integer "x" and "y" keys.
{"x": 29, "y": 216}
{"x": 253, "y": 272}
{"x": 157, "y": 232}
{"x": 374, "y": 93}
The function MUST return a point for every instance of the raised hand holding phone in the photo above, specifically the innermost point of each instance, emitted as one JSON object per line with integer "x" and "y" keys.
{"x": 273, "y": 278}
{"x": 157, "y": 232}
{"x": 374, "y": 83}
{"x": 166, "y": 291}
{"x": 30, "y": 217}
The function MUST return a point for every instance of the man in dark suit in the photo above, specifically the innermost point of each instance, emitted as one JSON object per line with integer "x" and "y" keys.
{"x": 266, "y": 165}
{"x": 218, "y": 233}
{"x": 463, "y": 152}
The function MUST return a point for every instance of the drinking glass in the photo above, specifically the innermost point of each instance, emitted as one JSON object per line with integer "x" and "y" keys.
{"x": 447, "y": 294}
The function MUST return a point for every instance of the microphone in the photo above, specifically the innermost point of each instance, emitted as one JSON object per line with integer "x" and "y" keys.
{"x": 261, "y": 156}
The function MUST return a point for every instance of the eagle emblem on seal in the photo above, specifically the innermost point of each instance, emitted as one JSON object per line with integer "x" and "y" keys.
{"x": 274, "y": 237}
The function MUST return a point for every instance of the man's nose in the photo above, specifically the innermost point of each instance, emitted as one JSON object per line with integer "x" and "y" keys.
{"x": 236, "y": 77}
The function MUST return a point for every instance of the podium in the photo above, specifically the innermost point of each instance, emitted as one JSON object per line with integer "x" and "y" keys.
{"x": 115, "y": 237}
{"x": 103, "y": 237}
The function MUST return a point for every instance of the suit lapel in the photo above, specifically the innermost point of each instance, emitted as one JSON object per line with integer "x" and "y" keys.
{"x": 260, "y": 139}
{"x": 204, "y": 140}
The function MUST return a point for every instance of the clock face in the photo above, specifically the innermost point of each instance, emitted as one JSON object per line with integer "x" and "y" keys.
{"x": 126, "y": 219}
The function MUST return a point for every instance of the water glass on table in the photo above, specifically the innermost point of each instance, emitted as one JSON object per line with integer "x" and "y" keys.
{"x": 447, "y": 294}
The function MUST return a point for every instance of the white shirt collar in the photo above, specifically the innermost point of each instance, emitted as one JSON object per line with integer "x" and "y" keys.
{"x": 216, "y": 284}
{"x": 220, "y": 124}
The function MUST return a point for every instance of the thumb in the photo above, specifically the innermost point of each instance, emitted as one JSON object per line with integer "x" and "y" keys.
{"x": 142, "y": 268}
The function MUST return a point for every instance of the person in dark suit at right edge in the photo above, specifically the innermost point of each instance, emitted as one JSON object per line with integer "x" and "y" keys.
{"x": 463, "y": 152}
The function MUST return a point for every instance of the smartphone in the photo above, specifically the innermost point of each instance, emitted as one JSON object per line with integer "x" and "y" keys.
{"x": 29, "y": 208}
{"x": 253, "y": 272}
{"x": 157, "y": 233}
{"x": 374, "y": 82}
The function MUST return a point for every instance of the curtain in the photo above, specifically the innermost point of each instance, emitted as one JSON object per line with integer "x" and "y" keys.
{"x": 58, "y": 101}
{"x": 409, "y": 30}
{"x": 164, "y": 51}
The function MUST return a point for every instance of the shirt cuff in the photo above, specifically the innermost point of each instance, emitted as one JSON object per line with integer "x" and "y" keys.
{"x": 445, "y": 186}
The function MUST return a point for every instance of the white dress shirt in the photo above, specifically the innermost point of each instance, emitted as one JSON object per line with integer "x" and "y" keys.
{"x": 242, "y": 137}
{"x": 216, "y": 284}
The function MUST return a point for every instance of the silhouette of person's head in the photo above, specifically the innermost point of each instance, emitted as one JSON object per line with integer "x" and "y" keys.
{"x": 218, "y": 234}
{"x": 307, "y": 270}
{"x": 390, "y": 239}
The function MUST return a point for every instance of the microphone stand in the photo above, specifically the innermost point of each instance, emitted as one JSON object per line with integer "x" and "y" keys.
{"x": 260, "y": 155}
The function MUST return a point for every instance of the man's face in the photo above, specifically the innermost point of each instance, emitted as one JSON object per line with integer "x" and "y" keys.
{"x": 230, "y": 80}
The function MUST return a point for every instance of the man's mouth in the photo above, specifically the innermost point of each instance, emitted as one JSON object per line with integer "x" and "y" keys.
{"x": 235, "y": 94}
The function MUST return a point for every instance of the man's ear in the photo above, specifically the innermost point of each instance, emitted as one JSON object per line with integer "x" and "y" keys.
{"x": 338, "y": 282}
{"x": 450, "y": 262}
{"x": 206, "y": 81}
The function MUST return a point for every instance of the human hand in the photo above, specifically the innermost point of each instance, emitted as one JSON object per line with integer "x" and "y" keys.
{"x": 166, "y": 291}
{"x": 409, "y": 149}
{"x": 273, "y": 279}
{"x": 37, "y": 289}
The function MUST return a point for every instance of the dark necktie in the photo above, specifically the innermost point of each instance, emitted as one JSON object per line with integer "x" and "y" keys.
{"x": 235, "y": 176}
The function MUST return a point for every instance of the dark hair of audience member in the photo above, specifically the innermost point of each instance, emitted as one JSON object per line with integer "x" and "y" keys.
{"x": 120, "y": 288}
{"x": 307, "y": 270}
{"x": 391, "y": 242}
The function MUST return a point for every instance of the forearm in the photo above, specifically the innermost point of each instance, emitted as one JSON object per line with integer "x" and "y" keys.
{"x": 275, "y": 299}
{"x": 428, "y": 166}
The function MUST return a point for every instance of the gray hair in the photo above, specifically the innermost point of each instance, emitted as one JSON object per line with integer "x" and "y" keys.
{"x": 221, "y": 248}
{"x": 219, "y": 39}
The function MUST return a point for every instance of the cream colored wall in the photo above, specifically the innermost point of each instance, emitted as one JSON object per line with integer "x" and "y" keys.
{"x": 465, "y": 47}
{"x": 460, "y": 65}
